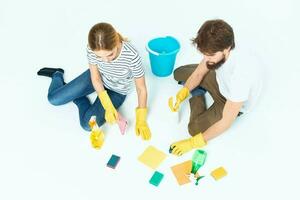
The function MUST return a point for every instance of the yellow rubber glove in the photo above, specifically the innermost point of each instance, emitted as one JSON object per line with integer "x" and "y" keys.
{"x": 183, "y": 146}
{"x": 141, "y": 126}
{"x": 180, "y": 97}
{"x": 111, "y": 114}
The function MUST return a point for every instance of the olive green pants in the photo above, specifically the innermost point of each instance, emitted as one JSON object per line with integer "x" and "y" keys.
{"x": 202, "y": 118}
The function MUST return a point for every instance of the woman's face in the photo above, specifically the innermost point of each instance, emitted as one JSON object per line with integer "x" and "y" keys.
{"x": 108, "y": 55}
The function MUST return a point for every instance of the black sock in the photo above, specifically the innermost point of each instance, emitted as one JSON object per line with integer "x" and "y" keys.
{"x": 49, "y": 71}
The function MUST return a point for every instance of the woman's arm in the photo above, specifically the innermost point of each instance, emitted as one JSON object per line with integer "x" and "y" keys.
{"x": 111, "y": 114}
{"x": 96, "y": 78}
{"x": 141, "y": 126}
{"x": 141, "y": 92}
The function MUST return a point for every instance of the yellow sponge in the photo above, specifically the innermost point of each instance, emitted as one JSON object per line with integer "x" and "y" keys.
{"x": 218, "y": 173}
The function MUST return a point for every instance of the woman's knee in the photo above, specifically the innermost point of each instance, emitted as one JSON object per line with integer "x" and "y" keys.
{"x": 84, "y": 123}
{"x": 54, "y": 99}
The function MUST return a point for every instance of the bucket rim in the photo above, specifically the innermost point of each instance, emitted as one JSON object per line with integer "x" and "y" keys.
{"x": 163, "y": 54}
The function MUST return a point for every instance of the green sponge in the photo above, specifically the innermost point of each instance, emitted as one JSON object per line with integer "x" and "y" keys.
{"x": 156, "y": 178}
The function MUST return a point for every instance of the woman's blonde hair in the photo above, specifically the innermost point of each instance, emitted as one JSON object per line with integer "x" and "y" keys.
{"x": 103, "y": 36}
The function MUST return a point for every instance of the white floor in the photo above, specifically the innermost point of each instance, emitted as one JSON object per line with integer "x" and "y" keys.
{"x": 44, "y": 153}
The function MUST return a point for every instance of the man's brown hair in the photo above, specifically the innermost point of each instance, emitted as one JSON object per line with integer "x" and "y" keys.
{"x": 214, "y": 35}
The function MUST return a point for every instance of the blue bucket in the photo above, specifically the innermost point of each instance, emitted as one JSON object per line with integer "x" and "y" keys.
{"x": 162, "y": 54}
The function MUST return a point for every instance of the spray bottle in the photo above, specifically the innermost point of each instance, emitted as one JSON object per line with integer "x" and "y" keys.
{"x": 97, "y": 136}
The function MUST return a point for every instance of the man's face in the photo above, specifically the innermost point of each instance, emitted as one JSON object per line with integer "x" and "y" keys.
{"x": 215, "y": 60}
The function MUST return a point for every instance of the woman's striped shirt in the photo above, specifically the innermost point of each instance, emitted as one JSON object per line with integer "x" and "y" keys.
{"x": 118, "y": 74}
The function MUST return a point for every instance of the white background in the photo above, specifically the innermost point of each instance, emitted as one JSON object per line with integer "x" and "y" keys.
{"x": 44, "y": 153}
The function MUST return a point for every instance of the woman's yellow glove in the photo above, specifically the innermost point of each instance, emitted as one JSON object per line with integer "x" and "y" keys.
{"x": 180, "y": 97}
{"x": 141, "y": 126}
{"x": 183, "y": 146}
{"x": 111, "y": 114}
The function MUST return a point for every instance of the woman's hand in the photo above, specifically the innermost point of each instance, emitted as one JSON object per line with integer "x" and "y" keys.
{"x": 141, "y": 127}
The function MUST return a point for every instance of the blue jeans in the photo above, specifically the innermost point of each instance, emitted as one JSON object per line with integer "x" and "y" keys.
{"x": 76, "y": 91}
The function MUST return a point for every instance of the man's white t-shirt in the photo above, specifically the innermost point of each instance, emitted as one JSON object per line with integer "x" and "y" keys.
{"x": 240, "y": 78}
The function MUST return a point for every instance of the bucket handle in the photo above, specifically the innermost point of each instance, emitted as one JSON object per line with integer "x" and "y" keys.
{"x": 151, "y": 51}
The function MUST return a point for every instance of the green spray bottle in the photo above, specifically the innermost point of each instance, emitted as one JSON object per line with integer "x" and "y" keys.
{"x": 198, "y": 161}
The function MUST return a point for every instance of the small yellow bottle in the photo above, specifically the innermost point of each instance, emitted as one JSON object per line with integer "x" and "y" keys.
{"x": 97, "y": 136}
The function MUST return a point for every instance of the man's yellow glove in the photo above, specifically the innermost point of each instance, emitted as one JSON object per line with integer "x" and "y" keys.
{"x": 111, "y": 114}
{"x": 141, "y": 126}
{"x": 180, "y": 97}
{"x": 183, "y": 146}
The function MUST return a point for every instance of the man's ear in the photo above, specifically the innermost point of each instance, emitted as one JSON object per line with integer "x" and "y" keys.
{"x": 226, "y": 50}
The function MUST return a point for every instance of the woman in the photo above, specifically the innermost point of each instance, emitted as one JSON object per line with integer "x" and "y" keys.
{"x": 113, "y": 65}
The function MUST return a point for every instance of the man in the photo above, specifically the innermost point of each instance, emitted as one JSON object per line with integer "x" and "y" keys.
{"x": 228, "y": 73}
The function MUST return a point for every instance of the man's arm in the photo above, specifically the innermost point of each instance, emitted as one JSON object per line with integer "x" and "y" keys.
{"x": 195, "y": 79}
{"x": 230, "y": 112}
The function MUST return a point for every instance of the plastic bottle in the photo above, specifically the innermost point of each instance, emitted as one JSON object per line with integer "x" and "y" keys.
{"x": 198, "y": 160}
{"x": 97, "y": 136}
